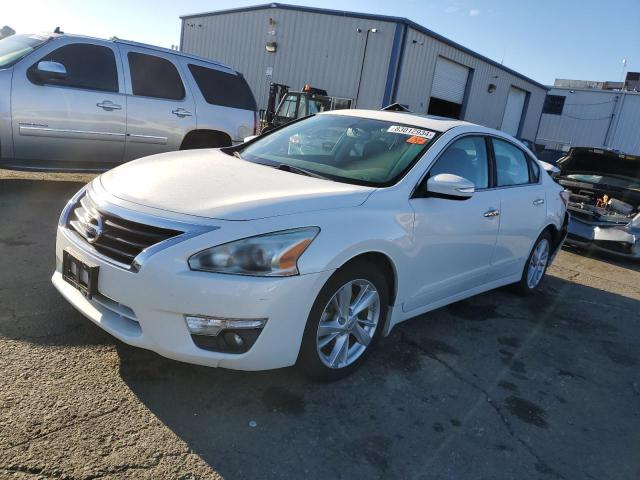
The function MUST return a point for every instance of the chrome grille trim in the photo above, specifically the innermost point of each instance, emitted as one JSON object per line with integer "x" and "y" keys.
{"x": 117, "y": 238}
{"x": 120, "y": 220}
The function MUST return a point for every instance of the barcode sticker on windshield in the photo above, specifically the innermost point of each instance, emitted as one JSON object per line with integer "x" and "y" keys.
{"x": 416, "y": 132}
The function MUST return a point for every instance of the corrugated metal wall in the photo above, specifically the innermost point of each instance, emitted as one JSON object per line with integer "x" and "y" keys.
{"x": 593, "y": 118}
{"x": 626, "y": 134}
{"x": 323, "y": 50}
{"x": 417, "y": 69}
{"x": 326, "y": 50}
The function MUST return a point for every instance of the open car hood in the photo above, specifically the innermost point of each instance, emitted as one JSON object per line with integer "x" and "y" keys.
{"x": 600, "y": 162}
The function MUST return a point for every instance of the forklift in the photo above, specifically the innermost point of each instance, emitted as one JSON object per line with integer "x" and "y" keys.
{"x": 294, "y": 105}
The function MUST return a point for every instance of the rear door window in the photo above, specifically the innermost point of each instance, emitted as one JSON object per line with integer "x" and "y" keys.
{"x": 223, "y": 88}
{"x": 153, "y": 76}
{"x": 89, "y": 66}
{"x": 512, "y": 167}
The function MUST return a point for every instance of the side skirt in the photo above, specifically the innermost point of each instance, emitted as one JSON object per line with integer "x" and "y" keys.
{"x": 396, "y": 315}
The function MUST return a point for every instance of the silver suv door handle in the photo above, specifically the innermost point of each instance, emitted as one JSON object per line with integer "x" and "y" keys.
{"x": 538, "y": 201}
{"x": 181, "y": 112}
{"x": 107, "y": 105}
{"x": 492, "y": 213}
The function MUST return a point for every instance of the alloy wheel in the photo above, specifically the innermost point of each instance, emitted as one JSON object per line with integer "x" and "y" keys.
{"x": 538, "y": 263}
{"x": 348, "y": 323}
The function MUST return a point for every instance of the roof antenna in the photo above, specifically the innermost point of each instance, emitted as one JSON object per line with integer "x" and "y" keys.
{"x": 57, "y": 30}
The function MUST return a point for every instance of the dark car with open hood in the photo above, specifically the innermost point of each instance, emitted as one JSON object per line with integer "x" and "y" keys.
{"x": 605, "y": 199}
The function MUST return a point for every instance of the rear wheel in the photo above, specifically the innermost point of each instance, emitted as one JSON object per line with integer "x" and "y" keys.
{"x": 345, "y": 322}
{"x": 536, "y": 266}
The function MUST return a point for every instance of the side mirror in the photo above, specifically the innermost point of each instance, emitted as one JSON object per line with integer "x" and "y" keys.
{"x": 447, "y": 185}
{"x": 51, "y": 71}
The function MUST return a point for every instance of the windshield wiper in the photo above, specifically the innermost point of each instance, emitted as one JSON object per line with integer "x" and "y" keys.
{"x": 300, "y": 171}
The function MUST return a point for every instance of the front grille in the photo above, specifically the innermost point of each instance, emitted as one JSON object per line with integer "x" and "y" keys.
{"x": 112, "y": 236}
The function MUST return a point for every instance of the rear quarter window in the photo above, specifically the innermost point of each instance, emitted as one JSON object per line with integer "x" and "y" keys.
{"x": 222, "y": 88}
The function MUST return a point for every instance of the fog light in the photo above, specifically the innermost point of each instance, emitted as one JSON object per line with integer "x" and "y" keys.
{"x": 212, "y": 326}
{"x": 234, "y": 340}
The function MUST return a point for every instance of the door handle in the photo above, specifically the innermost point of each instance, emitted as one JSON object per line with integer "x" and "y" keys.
{"x": 107, "y": 105}
{"x": 538, "y": 201}
{"x": 492, "y": 213}
{"x": 181, "y": 112}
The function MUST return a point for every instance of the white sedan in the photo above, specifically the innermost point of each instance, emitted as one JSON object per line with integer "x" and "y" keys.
{"x": 308, "y": 244}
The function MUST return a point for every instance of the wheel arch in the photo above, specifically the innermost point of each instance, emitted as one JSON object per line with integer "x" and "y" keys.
{"x": 385, "y": 264}
{"x": 557, "y": 233}
{"x": 205, "y": 138}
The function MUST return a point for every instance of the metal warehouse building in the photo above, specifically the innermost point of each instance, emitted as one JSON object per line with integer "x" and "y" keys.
{"x": 590, "y": 117}
{"x": 374, "y": 60}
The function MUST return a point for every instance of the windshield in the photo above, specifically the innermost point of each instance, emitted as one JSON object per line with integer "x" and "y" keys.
{"x": 602, "y": 163}
{"x": 15, "y": 47}
{"x": 344, "y": 148}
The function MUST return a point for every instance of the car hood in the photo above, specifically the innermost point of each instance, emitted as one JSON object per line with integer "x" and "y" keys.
{"x": 209, "y": 183}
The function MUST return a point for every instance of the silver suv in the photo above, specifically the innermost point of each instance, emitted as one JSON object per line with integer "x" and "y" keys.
{"x": 77, "y": 103}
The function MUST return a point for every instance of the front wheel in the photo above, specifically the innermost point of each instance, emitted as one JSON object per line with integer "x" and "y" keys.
{"x": 536, "y": 266}
{"x": 345, "y": 322}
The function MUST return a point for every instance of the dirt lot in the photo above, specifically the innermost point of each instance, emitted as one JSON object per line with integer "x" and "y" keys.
{"x": 496, "y": 387}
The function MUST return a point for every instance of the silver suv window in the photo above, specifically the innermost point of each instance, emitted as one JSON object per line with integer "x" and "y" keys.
{"x": 153, "y": 76}
{"x": 223, "y": 88}
{"x": 89, "y": 66}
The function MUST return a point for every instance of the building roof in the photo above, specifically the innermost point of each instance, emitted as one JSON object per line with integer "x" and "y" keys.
{"x": 593, "y": 90}
{"x": 382, "y": 18}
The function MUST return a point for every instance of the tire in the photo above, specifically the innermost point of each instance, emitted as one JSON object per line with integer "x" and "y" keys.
{"x": 534, "y": 272}
{"x": 326, "y": 361}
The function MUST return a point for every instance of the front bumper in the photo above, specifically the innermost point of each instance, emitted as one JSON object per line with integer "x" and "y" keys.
{"x": 620, "y": 240}
{"x": 146, "y": 308}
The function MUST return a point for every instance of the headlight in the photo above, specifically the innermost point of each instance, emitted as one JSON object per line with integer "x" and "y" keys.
{"x": 272, "y": 255}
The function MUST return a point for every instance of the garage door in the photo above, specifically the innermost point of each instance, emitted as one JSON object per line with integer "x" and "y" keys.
{"x": 513, "y": 111}
{"x": 449, "y": 81}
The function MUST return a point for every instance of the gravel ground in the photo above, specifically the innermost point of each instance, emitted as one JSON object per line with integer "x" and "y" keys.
{"x": 495, "y": 387}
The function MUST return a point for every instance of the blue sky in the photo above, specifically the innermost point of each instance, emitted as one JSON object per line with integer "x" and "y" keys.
{"x": 542, "y": 39}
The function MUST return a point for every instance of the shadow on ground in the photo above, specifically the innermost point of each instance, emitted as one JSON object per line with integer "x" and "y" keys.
{"x": 605, "y": 257}
{"x": 495, "y": 386}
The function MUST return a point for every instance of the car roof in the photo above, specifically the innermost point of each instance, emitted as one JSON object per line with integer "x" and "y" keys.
{"x": 430, "y": 122}
{"x": 141, "y": 45}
